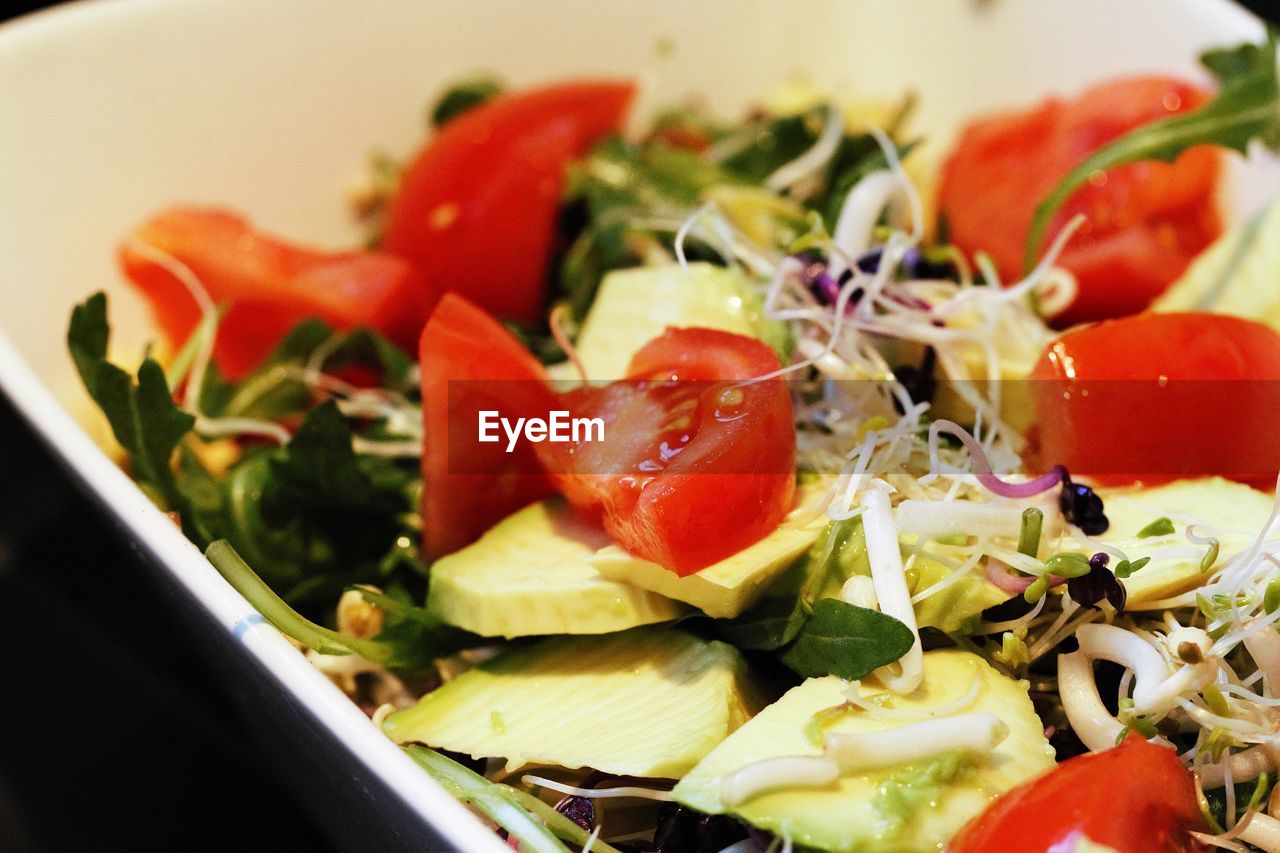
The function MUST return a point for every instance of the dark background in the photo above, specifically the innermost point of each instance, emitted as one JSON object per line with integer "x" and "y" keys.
{"x": 112, "y": 735}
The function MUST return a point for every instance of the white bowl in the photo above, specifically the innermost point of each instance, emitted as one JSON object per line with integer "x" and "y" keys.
{"x": 112, "y": 109}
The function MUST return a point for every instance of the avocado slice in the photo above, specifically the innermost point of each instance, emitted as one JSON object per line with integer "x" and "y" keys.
{"x": 958, "y": 607}
{"x": 1235, "y": 275}
{"x": 530, "y": 575}
{"x": 727, "y": 588}
{"x": 634, "y": 306}
{"x": 905, "y": 808}
{"x": 647, "y": 702}
{"x": 1231, "y": 512}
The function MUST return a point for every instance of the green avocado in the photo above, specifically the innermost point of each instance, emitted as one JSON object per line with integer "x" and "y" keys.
{"x": 1231, "y": 512}
{"x": 634, "y": 306}
{"x": 727, "y": 588}
{"x": 1236, "y": 275}
{"x": 913, "y": 807}
{"x": 648, "y": 702}
{"x": 530, "y": 575}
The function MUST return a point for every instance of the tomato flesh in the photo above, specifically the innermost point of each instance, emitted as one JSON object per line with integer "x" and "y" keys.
{"x": 1135, "y": 798}
{"x": 695, "y": 465}
{"x": 470, "y": 363}
{"x": 1146, "y": 221}
{"x": 476, "y": 208}
{"x": 265, "y": 285}
{"x": 1156, "y": 397}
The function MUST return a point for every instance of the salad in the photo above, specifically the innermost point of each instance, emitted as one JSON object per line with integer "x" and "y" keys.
{"x": 747, "y": 485}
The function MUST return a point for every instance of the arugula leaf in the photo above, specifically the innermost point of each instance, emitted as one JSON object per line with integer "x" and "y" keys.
{"x": 845, "y": 640}
{"x": 143, "y": 417}
{"x": 414, "y": 636}
{"x": 462, "y": 97}
{"x": 320, "y": 472}
{"x": 318, "y": 514}
{"x": 530, "y": 821}
{"x": 398, "y": 647}
{"x": 624, "y": 200}
{"x": 273, "y": 391}
{"x": 1247, "y": 107}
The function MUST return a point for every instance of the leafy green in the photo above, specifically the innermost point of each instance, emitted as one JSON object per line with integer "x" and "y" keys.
{"x": 319, "y": 472}
{"x": 626, "y": 201}
{"x": 529, "y": 820}
{"x": 1162, "y": 526}
{"x": 845, "y": 640}
{"x": 315, "y": 516}
{"x": 777, "y": 618}
{"x": 1124, "y": 568}
{"x": 630, "y": 197}
{"x": 461, "y": 97}
{"x": 1247, "y": 107}
{"x": 813, "y": 632}
{"x": 412, "y": 639}
{"x": 275, "y": 391}
{"x": 143, "y": 417}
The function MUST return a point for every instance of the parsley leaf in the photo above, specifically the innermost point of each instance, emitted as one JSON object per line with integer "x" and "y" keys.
{"x": 1247, "y": 107}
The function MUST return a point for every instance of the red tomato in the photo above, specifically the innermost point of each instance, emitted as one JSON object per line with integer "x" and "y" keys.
{"x": 267, "y": 286}
{"x": 694, "y": 466}
{"x": 476, "y": 209}
{"x": 1146, "y": 221}
{"x": 1135, "y": 798}
{"x": 471, "y": 363}
{"x": 1160, "y": 396}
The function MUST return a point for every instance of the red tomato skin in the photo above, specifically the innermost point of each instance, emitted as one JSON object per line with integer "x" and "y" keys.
{"x": 467, "y": 486}
{"x": 1136, "y": 798}
{"x": 732, "y": 481}
{"x": 1103, "y": 410}
{"x": 1147, "y": 220}
{"x": 476, "y": 208}
{"x": 266, "y": 285}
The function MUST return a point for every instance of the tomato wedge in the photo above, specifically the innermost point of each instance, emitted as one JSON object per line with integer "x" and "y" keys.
{"x": 471, "y": 363}
{"x": 1146, "y": 221}
{"x": 695, "y": 464}
{"x": 1134, "y": 798}
{"x": 1156, "y": 397}
{"x": 266, "y": 285}
{"x": 476, "y": 208}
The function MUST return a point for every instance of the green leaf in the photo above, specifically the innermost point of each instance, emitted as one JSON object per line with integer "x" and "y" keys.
{"x": 863, "y": 156}
{"x": 413, "y": 636}
{"x": 398, "y": 647}
{"x": 319, "y": 470}
{"x": 143, "y": 417}
{"x": 463, "y": 96}
{"x": 848, "y": 641}
{"x": 1162, "y": 526}
{"x": 1247, "y": 107}
{"x": 88, "y": 335}
{"x": 529, "y": 820}
{"x": 839, "y": 554}
{"x": 1126, "y": 568}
